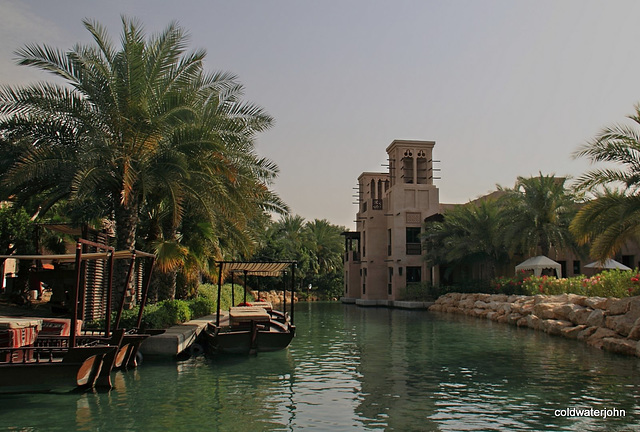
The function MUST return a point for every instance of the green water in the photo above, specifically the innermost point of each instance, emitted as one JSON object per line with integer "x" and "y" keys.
{"x": 352, "y": 368}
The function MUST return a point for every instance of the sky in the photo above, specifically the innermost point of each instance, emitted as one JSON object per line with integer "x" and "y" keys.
{"x": 505, "y": 88}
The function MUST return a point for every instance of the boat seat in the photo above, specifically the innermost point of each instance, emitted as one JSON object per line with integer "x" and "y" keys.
{"x": 246, "y": 314}
{"x": 16, "y": 323}
{"x": 262, "y": 304}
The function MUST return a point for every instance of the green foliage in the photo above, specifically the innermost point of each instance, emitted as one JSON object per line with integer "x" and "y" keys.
{"x": 210, "y": 292}
{"x": 531, "y": 218}
{"x": 536, "y": 216}
{"x": 201, "y": 306}
{"x": 139, "y": 132}
{"x": 424, "y": 291}
{"x": 16, "y": 231}
{"x": 316, "y": 246}
{"x": 167, "y": 313}
{"x": 177, "y": 311}
{"x": 469, "y": 234}
{"x": 613, "y": 217}
{"x": 510, "y": 285}
{"x": 326, "y": 286}
{"x": 609, "y": 283}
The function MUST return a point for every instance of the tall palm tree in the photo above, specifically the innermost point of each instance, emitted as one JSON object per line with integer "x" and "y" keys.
{"x": 325, "y": 244}
{"x": 225, "y": 188}
{"x": 134, "y": 131}
{"x": 469, "y": 234}
{"x": 613, "y": 216}
{"x": 102, "y": 130}
{"x": 537, "y": 213}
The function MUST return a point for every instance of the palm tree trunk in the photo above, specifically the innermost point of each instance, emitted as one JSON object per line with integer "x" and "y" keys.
{"x": 165, "y": 284}
{"x": 126, "y": 219}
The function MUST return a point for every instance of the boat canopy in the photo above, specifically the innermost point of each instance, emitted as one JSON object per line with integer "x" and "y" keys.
{"x": 86, "y": 256}
{"x": 255, "y": 268}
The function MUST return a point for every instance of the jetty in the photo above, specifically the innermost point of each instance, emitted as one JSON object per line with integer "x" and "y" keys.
{"x": 179, "y": 338}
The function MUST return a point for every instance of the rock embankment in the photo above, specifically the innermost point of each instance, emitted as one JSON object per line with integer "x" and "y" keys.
{"x": 273, "y": 297}
{"x": 611, "y": 324}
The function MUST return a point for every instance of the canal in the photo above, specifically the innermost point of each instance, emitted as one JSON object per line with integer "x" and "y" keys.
{"x": 352, "y": 368}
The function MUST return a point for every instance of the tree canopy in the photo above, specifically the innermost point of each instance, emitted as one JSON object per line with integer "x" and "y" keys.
{"x": 142, "y": 135}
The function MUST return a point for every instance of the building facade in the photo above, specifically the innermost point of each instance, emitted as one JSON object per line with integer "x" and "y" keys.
{"x": 384, "y": 254}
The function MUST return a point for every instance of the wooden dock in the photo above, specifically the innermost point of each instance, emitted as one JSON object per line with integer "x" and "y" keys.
{"x": 179, "y": 338}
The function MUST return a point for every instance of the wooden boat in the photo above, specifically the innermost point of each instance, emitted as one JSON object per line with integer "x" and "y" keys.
{"x": 45, "y": 369}
{"x": 256, "y": 327}
{"x": 24, "y": 367}
{"x": 92, "y": 355}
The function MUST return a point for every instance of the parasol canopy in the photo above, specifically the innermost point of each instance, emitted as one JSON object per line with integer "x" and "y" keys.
{"x": 539, "y": 263}
{"x": 608, "y": 264}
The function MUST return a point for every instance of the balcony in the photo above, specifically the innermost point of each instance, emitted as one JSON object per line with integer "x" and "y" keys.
{"x": 376, "y": 204}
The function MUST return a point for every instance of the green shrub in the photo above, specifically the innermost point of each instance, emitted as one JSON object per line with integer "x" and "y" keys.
{"x": 211, "y": 292}
{"x": 510, "y": 285}
{"x": 175, "y": 311}
{"x": 168, "y": 313}
{"x": 202, "y": 306}
{"x": 424, "y": 291}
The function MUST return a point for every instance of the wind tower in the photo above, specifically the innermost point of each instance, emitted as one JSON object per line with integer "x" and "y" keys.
{"x": 384, "y": 254}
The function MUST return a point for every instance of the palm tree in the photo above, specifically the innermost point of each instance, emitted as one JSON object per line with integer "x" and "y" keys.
{"x": 325, "y": 245}
{"x": 613, "y": 216}
{"x": 469, "y": 234}
{"x": 225, "y": 188}
{"x": 102, "y": 131}
{"x": 537, "y": 214}
{"x": 135, "y": 131}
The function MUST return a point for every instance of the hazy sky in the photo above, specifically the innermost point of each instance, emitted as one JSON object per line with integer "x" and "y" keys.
{"x": 505, "y": 88}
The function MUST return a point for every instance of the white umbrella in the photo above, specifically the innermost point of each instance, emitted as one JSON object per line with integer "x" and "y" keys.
{"x": 607, "y": 264}
{"x": 538, "y": 263}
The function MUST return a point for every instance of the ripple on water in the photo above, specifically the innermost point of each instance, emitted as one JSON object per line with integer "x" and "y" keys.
{"x": 352, "y": 368}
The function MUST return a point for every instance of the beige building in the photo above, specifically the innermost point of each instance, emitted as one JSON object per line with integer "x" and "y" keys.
{"x": 384, "y": 254}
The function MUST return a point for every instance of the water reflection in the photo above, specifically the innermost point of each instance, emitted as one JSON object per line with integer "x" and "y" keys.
{"x": 352, "y": 368}
{"x": 426, "y": 372}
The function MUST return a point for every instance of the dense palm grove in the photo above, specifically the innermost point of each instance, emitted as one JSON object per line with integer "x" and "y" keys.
{"x": 594, "y": 216}
{"x": 531, "y": 218}
{"x": 141, "y": 138}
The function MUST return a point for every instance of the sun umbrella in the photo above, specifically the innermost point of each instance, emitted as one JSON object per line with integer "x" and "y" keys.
{"x": 607, "y": 264}
{"x": 539, "y": 263}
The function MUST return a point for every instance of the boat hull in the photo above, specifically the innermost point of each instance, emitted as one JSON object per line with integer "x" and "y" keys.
{"x": 250, "y": 339}
{"x": 80, "y": 367}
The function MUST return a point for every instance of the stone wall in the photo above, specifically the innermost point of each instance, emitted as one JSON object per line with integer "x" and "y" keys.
{"x": 274, "y": 297}
{"x": 611, "y": 324}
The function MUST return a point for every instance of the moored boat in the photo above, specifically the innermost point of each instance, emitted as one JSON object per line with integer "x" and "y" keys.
{"x": 255, "y": 327}
{"x": 92, "y": 354}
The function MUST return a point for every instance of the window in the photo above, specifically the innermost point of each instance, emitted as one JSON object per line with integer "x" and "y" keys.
{"x": 413, "y": 241}
{"x": 390, "y": 283}
{"x": 389, "y": 242}
{"x": 407, "y": 167}
{"x": 346, "y": 282}
{"x": 414, "y": 274}
{"x": 576, "y": 268}
{"x": 563, "y": 268}
{"x": 364, "y": 244}
{"x": 364, "y": 281}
